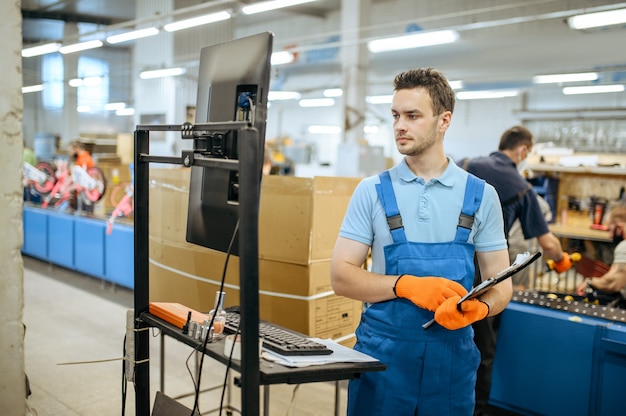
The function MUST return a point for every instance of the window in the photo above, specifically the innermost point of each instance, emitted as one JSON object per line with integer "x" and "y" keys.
{"x": 94, "y": 91}
{"x": 52, "y": 78}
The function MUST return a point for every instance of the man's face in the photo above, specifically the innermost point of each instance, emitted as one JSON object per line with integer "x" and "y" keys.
{"x": 416, "y": 128}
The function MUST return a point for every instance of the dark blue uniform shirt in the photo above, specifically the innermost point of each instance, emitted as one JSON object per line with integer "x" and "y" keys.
{"x": 519, "y": 200}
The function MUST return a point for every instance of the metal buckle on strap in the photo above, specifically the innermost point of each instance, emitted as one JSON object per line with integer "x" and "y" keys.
{"x": 466, "y": 221}
{"x": 394, "y": 222}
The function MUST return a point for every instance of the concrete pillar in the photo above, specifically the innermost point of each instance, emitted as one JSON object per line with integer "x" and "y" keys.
{"x": 355, "y": 65}
{"x": 155, "y": 98}
{"x": 12, "y": 387}
{"x": 352, "y": 153}
{"x": 70, "y": 94}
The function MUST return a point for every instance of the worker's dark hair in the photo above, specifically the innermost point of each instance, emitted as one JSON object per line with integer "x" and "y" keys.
{"x": 514, "y": 137}
{"x": 76, "y": 143}
{"x": 432, "y": 81}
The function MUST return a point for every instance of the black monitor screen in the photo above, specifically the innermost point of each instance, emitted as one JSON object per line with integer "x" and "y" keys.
{"x": 233, "y": 84}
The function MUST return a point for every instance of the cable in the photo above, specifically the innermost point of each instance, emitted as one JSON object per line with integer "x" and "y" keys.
{"x": 124, "y": 384}
{"x": 292, "y": 405}
{"x": 230, "y": 359}
{"x": 206, "y": 338}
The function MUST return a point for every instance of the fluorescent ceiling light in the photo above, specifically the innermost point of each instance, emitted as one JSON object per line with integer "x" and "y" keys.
{"x": 599, "y": 19}
{"x": 379, "y": 99}
{"x": 125, "y": 112}
{"x": 135, "y": 34}
{"x": 324, "y": 129}
{"x": 41, "y": 49}
{"x": 85, "y": 82}
{"x": 266, "y": 6}
{"x": 160, "y": 73}
{"x": 83, "y": 109}
{"x": 414, "y": 40}
{"x": 456, "y": 85}
{"x": 114, "y": 106}
{"x": 83, "y": 46}
{"x": 317, "y": 102}
{"x": 32, "y": 88}
{"x": 282, "y": 57}
{"x": 197, "y": 21}
{"x": 283, "y": 95}
{"x": 333, "y": 92}
{"x": 559, "y": 78}
{"x": 593, "y": 89}
{"x": 481, "y": 95}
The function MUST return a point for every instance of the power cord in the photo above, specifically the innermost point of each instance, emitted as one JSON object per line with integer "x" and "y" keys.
{"x": 208, "y": 335}
{"x": 124, "y": 382}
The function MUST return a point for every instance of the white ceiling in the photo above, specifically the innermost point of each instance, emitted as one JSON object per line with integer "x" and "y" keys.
{"x": 502, "y": 43}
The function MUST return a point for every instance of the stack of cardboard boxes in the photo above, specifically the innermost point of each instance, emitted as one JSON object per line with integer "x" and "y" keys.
{"x": 299, "y": 220}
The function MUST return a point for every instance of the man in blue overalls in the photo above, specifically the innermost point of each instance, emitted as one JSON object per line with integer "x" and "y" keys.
{"x": 422, "y": 220}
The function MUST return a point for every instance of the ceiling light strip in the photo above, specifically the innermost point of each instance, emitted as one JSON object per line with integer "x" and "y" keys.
{"x": 197, "y": 21}
{"x": 316, "y": 102}
{"x": 482, "y": 95}
{"x": 266, "y": 6}
{"x": 593, "y": 89}
{"x": 32, "y": 88}
{"x": 599, "y": 19}
{"x": 161, "y": 73}
{"x": 414, "y": 40}
{"x": 135, "y": 34}
{"x": 558, "y": 78}
{"x": 41, "y": 49}
{"x": 82, "y": 46}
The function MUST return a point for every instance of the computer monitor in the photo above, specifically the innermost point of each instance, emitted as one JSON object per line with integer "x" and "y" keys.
{"x": 233, "y": 85}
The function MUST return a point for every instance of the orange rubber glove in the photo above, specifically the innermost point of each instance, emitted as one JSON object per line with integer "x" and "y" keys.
{"x": 427, "y": 292}
{"x": 562, "y": 266}
{"x": 449, "y": 316}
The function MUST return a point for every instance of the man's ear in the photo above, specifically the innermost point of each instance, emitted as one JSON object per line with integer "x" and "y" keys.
{"x": 444, "y": 120}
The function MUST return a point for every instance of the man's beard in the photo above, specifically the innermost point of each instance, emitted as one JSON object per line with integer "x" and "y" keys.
{"x": 428, "y": 141}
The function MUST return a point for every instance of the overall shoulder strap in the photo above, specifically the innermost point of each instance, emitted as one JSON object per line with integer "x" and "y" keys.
{"x": 387, "y": 197}
{"x": 473, "y": 197}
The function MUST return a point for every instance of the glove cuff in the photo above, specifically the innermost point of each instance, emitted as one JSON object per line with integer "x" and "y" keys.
{"x": 396, "y": 284}
{"x": 564, "y": 264}
{"x": 487, "y": 305}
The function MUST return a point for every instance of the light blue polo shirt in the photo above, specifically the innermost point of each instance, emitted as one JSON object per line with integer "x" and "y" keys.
{"x": 430, "y": 212}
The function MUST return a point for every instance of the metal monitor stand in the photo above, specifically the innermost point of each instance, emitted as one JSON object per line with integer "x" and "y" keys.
{"x": 249, "y": 196}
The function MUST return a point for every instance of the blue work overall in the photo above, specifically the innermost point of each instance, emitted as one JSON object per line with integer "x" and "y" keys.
{"x": 430, "y": 372}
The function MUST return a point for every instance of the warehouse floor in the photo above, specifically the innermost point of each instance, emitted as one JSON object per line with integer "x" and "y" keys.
{"x": 75, "y": 328}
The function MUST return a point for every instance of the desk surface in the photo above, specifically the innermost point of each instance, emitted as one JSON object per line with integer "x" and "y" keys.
{"x": 270, "y": 373}
{"x": 579, "y": 232}
{"x": 578, "y": 226}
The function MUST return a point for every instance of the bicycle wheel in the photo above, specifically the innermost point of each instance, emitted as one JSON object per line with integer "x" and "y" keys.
{"x": 95, "y": 194}
{"x": 45, "y": 187}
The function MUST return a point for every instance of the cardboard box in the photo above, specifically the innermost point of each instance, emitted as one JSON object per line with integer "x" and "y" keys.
{"x": 168, "y": 201}
{"x": 117, "y": 175}
{"x": 299, "y": 218}
{"x": 325, "y": 316}
{"x": 299, "y": 221}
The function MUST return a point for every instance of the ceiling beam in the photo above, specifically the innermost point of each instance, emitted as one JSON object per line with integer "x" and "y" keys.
{"x": 69, "y": 17}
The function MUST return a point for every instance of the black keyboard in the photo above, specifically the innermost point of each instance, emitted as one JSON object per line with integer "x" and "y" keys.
{"x": 279, "y": 340}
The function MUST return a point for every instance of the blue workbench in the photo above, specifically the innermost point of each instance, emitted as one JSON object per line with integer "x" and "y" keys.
{"x": 551, "y": 362}
{"x": 79, "y": 242}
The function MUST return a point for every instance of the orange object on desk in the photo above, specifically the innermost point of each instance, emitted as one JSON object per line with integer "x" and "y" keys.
{"x": 175, "y": 313}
